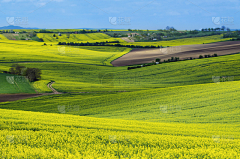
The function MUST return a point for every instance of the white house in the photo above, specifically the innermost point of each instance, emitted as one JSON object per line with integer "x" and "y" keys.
{"x": 154, "y": 39}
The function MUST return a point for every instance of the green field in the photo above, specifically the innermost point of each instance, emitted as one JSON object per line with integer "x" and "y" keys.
{"x": 184, "y": 41}
{"x": 77, "y": 72}
{"x": 202, "y": 103}
{"x": 172, "y": 110}
{"x": 48, "y": 37}
{"x": 101, "y": 37}
{"x": 2, "y": 37}
{"x": 49, "y": 58}
{"x": 15, "y": 84}
{"x": 41, "y": 135}
{"x": 178, "y": 42}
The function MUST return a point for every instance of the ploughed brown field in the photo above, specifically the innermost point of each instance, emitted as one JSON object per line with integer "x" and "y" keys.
{"x": 141, "y": 56}
{"x": 14, "y": 97}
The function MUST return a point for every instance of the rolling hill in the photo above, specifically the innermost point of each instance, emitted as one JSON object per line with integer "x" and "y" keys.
{"x": 184, "y": 109}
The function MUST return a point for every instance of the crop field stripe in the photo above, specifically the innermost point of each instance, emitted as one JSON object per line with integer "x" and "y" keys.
{"x": 42, "y": 134}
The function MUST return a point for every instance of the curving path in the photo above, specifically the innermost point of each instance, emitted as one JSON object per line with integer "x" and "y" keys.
{"x": 54, "y": 90}
{"x": 15, "y": 97}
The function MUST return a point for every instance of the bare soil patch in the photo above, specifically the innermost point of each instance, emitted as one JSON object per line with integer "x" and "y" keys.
{"x": 128, "y": 39}
{"x": 141, "y": 56}
{"x": 14, "y": 97}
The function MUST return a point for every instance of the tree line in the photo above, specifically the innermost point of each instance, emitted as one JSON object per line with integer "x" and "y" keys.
{"x": 33, "y": 74}
{"x": 172, "y": 59}
{"x": 76, "y": 31}
{"x": 235, "y": 34}
{"x": 107, "y": 43}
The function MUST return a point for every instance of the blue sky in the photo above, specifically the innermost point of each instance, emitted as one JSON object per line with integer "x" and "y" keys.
{"x": 125, "y": 14}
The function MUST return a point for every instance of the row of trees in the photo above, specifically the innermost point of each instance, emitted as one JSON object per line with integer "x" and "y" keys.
{"x": 168, "y": 29}
{"x": 76, "y": 31}
{"x": 234, "y": 34}
{"x": 173, "y": 59}
{"x": 206, "y": 56}
{"x": 106, "y": 44}
{"x": 32, "y": 34}
{"x": 157, "y": 61}
{"x": 223, "y": 28}
{"x": 171, "y": 33}
{"x": 11, "y": 31}
{"x": 33, "y": 74}
{"x": 52, "y": 31}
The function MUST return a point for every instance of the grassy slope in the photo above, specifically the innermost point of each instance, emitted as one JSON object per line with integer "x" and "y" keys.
{"x": 87, "y": 68}
{"x": 186, "y": 85}
{"x": 203, "y": 103}
{"x": 14, "y": 84}
{"x": 71, "y": 77}
{"x": 101, "y": 37}
{"x": 185, "y": 41}
{"x": 36, "y": 53}
{"x": 89, "y": 37}
{"x": 186, "y": 96}
{"x": 2, "y": 37}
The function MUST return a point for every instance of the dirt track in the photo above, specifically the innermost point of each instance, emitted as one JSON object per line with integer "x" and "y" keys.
{"x": 54, "y": 90}
{"x": 14, "y": 97}
{"x": 140, "y": 56}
